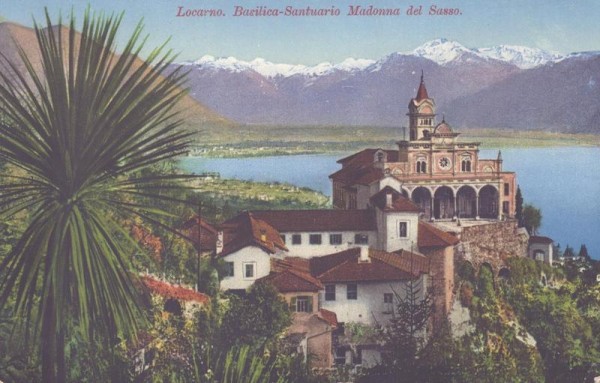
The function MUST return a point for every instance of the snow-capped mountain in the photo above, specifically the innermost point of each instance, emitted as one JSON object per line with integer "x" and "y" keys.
{"x": 523, "y": 57}
{"x": 270, "y": 69}
{"x": 462, "y": 80}
{"x": 441, "y": 51}
{"x": 444, "y": 52}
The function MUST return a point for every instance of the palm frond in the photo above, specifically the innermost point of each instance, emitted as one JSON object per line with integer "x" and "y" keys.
{"x": 78, "y": 129}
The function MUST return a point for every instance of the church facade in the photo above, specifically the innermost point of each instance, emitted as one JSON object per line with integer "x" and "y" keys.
{"x": 444, "y": 176}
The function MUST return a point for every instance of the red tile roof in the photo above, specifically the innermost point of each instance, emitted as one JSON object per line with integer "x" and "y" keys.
{"x": 399, "y": 202}
{"x": 168, "y": 290}
{"x": 318, "y": 220}
{"x": 373, "y": 271}
{"x": 410, "y": 262}
{"x": 208, "y": 234}
{"x": 296, "y": 263}
{"x": 247, "y": 230}
{"x": 329, "y": 316}
{"x": 358, "y": 168}
{"x": 430, "y": 236}
{"x": 320, "y": 265}
{"x": 367, "y": 156}
{"x": 291, "y": 280}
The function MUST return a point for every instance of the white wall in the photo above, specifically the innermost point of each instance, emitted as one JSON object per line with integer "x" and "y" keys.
{"x": 252, "y": 254}
{"x": 546, "y": 248}
{"x": 389, "y": 235}
{"x": 369, "y": 308}
{"x": 306, "y": 250}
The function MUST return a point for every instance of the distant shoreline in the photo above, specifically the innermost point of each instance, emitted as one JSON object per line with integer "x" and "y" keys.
{"x": 262, "y": 141}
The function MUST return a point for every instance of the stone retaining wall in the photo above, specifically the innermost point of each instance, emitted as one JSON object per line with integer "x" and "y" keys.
{"x": 491, "y": 243}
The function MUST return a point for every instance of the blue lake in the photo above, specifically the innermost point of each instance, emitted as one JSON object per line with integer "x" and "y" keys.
{"x": 563, "y": 182}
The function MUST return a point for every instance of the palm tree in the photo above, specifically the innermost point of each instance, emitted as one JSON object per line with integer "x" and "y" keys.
{"x": 78, "y": 132}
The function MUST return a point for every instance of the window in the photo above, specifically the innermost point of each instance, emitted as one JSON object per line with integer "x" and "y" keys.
{"x": 229, "y": 269}
{"x": 506, "y": 188}
{"x": 403, "y": 229}
{"x": 466, "y": 165}
{"x": 380, "y": 156}
{"x": 249, "y": 270}
{"x": 296, "y": 239}
{"x": 421, "y": 166}
{"x": 301, "y": 304}
{"x": 340, "y": 356}
{"x": 388, "y": 303}
{"x": 351, "y": 291}
{"x": 330, "y": 292}
{"x": 315, "y": 239}
{"x": 335, "y": 239}
{"x": 283, "y": 238}
{"x": 361, "y": 239}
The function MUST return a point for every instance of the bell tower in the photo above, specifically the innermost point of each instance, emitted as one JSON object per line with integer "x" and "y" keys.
{"x": 421, "y": 113}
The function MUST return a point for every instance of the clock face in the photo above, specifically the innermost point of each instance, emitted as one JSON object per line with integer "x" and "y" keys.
{"x": 445, "y": 163}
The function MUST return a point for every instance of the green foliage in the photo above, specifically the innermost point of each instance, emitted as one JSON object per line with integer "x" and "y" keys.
{"x": 405, "y": 336}
{"x": 532, "y": 218}
{"x": 565, "y": 337}
{"x": 569, "y": 252}
{"x": 77, "y": 130}
{"x": 256, "y": 319}
{"x": 583, "y": 252}
{"x": 519, "y": 208}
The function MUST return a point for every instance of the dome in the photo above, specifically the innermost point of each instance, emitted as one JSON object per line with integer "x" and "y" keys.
{"x": 443, "y": 128}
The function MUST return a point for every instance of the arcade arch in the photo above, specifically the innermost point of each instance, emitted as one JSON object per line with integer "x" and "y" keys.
{"x": 443, "y": 203}
{"x": 488, "y": 202}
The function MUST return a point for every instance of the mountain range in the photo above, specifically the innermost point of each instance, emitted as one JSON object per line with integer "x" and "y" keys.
{"x": 12, "y": 36}
{"x": 498, "y": 87}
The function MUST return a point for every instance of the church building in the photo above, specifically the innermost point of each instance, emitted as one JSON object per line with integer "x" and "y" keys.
{"x": 442, "y": 175}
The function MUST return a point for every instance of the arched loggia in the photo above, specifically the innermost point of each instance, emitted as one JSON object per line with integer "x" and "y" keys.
{"x": 422, "y": 197}
{"x": 443, "y": 203}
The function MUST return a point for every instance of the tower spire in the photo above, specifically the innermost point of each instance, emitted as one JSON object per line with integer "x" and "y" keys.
{"x": 422, "y": 92}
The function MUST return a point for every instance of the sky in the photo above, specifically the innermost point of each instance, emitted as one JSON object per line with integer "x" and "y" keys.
{"x": 558, "y": 26}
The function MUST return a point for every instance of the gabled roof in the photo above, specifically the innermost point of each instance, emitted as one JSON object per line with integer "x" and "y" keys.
{"x": 411, "y": 262}
{"x": 201, "y": 231}
{"x": 320, "y": 265}
{"x": 430, "y": 236}
{"x": 363, "y": 175}
{"x": 367, "y": 156}
{"x": 291, "y": 280}
{"x": 373, "y": 271}
{"x": 318, "y": 220}
{"x": 399, "y": 202}
{"x": 168, "y": 290}
{"x": 247, "y": 230}
{"x": 345, "y": 266}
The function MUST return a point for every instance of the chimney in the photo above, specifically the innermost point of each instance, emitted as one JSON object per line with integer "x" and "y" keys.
{"x": 364, "y": 254}
{"x": 219, "y": 242}
{"x": 388, "y": 200}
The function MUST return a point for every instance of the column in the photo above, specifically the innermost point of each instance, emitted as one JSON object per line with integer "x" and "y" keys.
{"x": 477, "y": 205}
{"x": 454, "y": 213}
